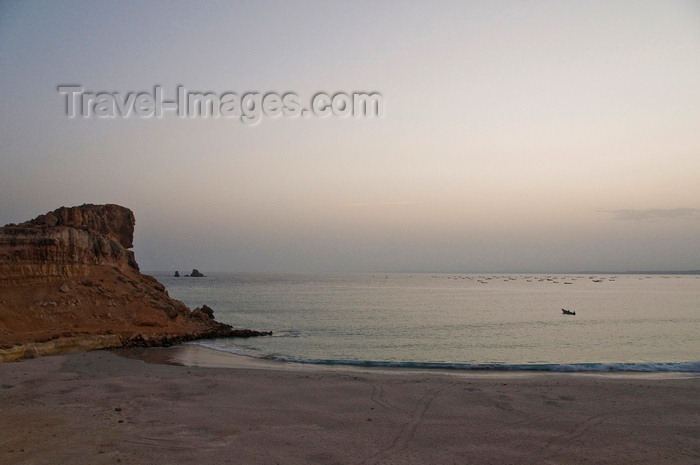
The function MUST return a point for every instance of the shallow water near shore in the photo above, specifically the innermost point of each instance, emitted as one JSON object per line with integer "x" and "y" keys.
{"x": 458, "y": 321}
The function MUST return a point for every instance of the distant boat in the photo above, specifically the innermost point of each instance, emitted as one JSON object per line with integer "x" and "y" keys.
{"x": 567, "y": 312}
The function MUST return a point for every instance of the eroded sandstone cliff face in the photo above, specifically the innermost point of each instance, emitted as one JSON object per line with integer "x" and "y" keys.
{"x": 66, "y": 242}
{"x": 68, "y": 276}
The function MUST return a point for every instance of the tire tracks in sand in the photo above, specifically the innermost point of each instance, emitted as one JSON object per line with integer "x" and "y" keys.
{"x": 408, "y": 429}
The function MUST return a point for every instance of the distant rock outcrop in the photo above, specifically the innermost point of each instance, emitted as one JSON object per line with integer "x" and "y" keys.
{"x": 177, "y": 274}
{"x": 195, "y": 274}
{"x": 69, "y": 283}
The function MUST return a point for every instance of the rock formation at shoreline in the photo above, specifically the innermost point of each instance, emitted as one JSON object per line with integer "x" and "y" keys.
{"x": 69, "y": 283}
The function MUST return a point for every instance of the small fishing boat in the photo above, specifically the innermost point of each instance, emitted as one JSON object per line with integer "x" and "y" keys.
{"x": 567, "y": 312}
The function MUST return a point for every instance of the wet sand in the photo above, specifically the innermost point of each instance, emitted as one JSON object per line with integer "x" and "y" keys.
{"x": 104, "y": 408}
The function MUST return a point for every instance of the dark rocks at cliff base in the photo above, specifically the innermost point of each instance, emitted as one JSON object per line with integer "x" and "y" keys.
{"x": 208, "y": 311}
{"x": 219, "y": 332}
{"x": 204, "y": 313}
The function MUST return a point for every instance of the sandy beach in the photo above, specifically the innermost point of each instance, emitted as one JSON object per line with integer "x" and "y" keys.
{"x": 103, "y": 408}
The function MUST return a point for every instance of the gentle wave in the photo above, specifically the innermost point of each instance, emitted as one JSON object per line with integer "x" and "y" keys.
{"x": 666, "y": 367}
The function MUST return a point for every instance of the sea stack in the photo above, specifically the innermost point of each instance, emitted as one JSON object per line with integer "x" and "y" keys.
{"x": 68, "y": 282}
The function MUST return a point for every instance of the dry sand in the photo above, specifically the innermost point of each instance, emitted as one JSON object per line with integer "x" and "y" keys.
{"x": 102, "y": 408}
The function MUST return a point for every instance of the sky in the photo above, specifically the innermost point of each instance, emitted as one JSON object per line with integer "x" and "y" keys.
{"x": 541, "y": 136}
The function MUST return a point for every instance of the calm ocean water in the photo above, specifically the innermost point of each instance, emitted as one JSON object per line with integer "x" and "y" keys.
{"x": 461, "y": 321}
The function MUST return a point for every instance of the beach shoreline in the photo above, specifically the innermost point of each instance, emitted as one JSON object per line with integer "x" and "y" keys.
{"x": 105, "y": 407}
{"x": 195, "y": 355}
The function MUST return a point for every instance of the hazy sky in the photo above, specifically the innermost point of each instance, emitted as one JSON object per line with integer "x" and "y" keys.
{"x": 516, "y": 136}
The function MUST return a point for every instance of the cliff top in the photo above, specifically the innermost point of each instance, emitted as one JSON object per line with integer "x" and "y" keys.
{"x": 108, "y": 220}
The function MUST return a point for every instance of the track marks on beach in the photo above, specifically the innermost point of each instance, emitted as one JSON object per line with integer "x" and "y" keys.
{"x": 408, "y": 429}
{"x": 182, "y": 438}
{"x": 378, "y": 398}
{"x": 569, "y": 436}
{"x": 570, "y": 432}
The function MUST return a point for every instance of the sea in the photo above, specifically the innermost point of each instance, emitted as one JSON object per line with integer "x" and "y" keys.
{"x": 458, "y": 321}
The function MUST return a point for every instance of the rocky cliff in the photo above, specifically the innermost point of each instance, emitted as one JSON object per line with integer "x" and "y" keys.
{"x": 68, "y": 281}
{"x": 66, "y": 242}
